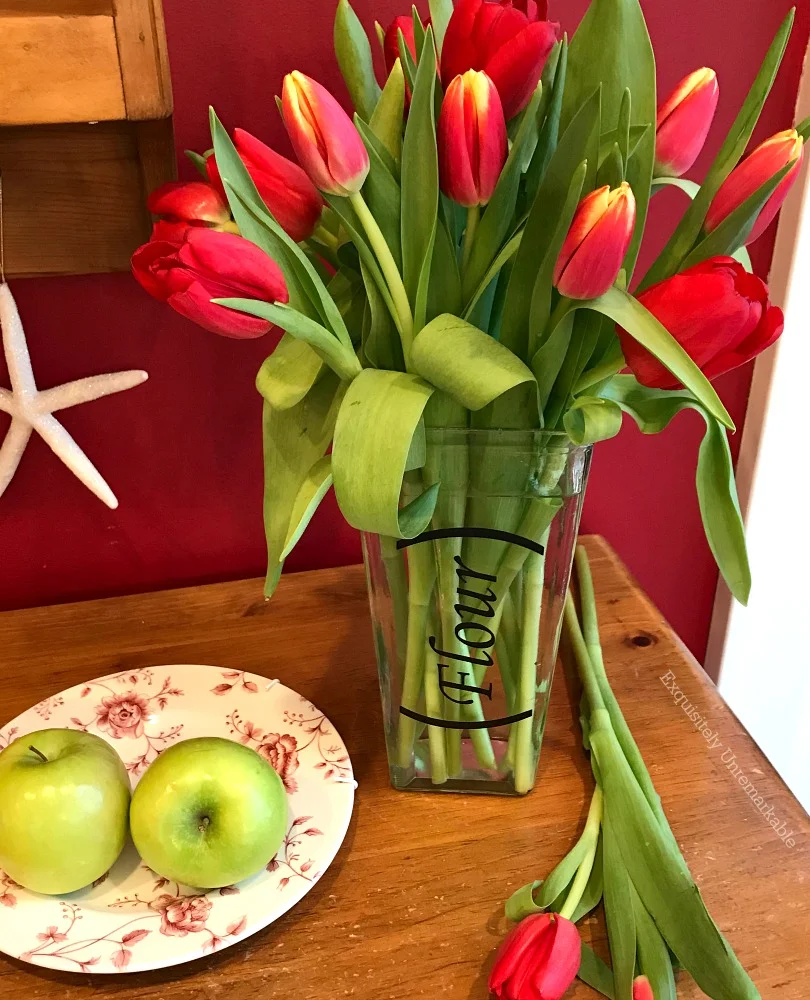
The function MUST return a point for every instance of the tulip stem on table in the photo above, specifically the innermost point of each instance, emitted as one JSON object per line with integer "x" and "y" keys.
{"x": 403, "y": 315}
{"x": 591, "y": 834}
{"x": 473, "y": 218}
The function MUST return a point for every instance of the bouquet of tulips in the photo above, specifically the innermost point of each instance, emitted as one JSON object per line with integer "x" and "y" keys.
{"x": 461, "y": 253}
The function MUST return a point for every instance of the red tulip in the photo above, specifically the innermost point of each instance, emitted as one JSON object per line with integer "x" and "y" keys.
{"x": 684, "y": 120}
{"x": 642, "y": 989}
{"x": 596, "y": 244}
{"x": 285, "y": 188}
{"x": 718, "y": 313}
{"x": 182, "y": 204}
{"x": 538, "y": 960}
{"x": 511, "y": 45}
{"x": 207, "y": 265}
{"x": 766, "y": 161}
{"x": 472, "y": 139}
{"x": 403, "y": 23}
{"x": 324, "y": 138}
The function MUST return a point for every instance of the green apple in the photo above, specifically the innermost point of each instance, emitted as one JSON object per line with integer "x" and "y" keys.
{"x": 64, "y": 802}
{"x": 208, "y": 812}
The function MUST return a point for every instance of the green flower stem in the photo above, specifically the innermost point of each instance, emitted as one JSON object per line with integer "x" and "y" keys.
{"x": 589, "y": 682}
{"x": 394, "y": 563}
{"x": 418, "y": 611}
{"x": 434, "y": 708}
{"x": 593, "y": 649}
{"x": 388, "y": 266}
{"x": 473, "y": 218}
{"x": 527, "y": 681}
{"x": 591, "y": 834}
{"x": 324, "y": 236}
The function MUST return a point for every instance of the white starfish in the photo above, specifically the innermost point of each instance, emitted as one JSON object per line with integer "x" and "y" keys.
{"x": 32, "y": 410}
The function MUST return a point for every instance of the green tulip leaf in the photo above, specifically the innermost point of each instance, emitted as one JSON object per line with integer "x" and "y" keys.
{"x": 199, "y": 163}
{"x": 465, "y": 362}
{"x": 653, "y": 955}
{"x": 375, "y": 429}
{"x": 340, "y": 358}
{"x": 522, "y": 903}
{"x": 386, "y": 122}
{"x": 656, "y": 868}
{"x": 735, "y": 229}
{"x": 506, "y": 254}
{"x": 652, "y": 410}
{"x": 632, "y": 316}
{"x": 289, "y": 373}
{"x": 382, "y": 347}
{"x": 444, "y": 290}
{"x": 498, "y": 214}
{"x": 553, "y": 81}
{"x": 381, "y": 190}
{"x": 590, "y": 419}
{"x": 611, "y": 169}
{"x": 407, "y": 61}
{"x": 611, "y": 48}
{"x": 540, "y": 305}
{"x": 313, "y": 489}
{"x": 619, "y": 916}
{"x": 343, "y": 209}
{"x": 683, "y": 239}
{"x": 594, "y": 972}
{"x": 440, "y": 13}
{"x": 420, "y": 185}
{"x": 295, "y": 439}
{"x": 579, "y": 143}
{"x": 355, "y": 60}
{"x": 585, "y": 337}
{"x": 594, "y": 890}
{"x": 744, "y": 257}
{"x": 549, "y": 359}
{"x": 803, "y": 128}
{"x": 689, "y": 188}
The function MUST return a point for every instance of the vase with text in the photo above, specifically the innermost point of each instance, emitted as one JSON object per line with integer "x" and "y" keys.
{"x": 467, "y": 614}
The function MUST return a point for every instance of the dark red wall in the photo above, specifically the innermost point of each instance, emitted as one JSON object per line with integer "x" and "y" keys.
{"x": 183, "y": 452}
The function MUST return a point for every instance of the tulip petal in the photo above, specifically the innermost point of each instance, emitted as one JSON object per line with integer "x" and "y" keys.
{"x": 561, "y": 968}
{"x": 148, "y": 263}
{"x": 515, "y": 68}
{"x": 458, "y": 54}
{"x": 235, "y": 264}
{"x": 195, "y": 304}
{"x": 455, "y": 138}
{"x": 189, "y": 201}
{"x": 324, "y": 137}
{"x": 516, "y": 945}
{"x": 684, "y": 121}
{"x": 765, "y": 161}
{"x": 403, "y": 23}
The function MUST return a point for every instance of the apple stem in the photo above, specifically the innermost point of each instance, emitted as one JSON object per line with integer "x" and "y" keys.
{"x": 205, "y": 821}
{"x": 39, "y": 754}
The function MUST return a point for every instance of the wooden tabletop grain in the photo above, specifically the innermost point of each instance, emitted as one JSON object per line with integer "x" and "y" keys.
{"x": 412, "y": 906}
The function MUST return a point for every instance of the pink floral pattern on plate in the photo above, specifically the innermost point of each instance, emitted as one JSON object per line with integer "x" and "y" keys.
{"x": 133, "y": 920}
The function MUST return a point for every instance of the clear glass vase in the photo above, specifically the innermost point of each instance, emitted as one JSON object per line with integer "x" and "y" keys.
{"x": 467, "y": 615}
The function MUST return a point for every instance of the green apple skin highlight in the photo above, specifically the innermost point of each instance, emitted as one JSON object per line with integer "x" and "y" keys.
{"x": 63, "y": 819}
{"x": 208, "y": 812}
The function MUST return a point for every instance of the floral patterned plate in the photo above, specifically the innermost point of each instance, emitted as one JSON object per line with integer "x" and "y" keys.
{"x": 131, "y": 920}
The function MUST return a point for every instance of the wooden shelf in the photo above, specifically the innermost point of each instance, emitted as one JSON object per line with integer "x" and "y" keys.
{"x": 85, "y": 131}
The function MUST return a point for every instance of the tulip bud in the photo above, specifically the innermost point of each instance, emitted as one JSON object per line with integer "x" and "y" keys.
{"x": 403, "y": 23}
{"x": 324, "y": 138}
{"x": 642, "y": 989}
{"x": 544, "y": 950}
{"x": 718, "y": 313}
{"x": 755, "y": 170}
{"x": 509, "y": 42}
{"x": 684, "y": 120}
{"x": 471, "y": 139}
{"x": 203, "y": 265}
{"x": 192, "y": 203}
{"x": 284, "y": 187}
{"x": 597, "y": 242}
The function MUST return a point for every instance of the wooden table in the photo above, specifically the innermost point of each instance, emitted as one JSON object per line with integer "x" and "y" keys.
{"x": 412, "y": 906}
